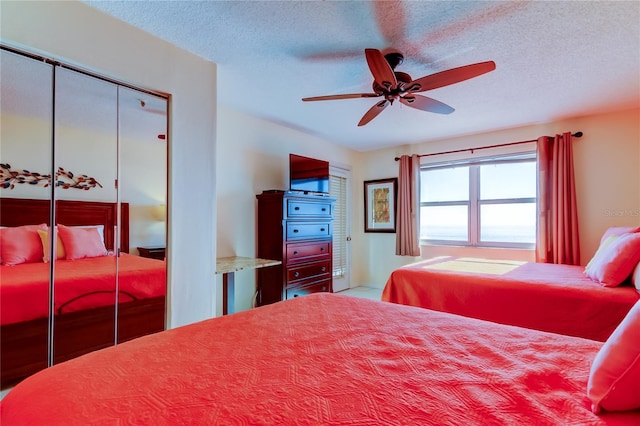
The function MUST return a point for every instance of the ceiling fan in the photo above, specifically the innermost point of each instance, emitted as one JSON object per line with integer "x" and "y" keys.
{"x": 394, "y": 85}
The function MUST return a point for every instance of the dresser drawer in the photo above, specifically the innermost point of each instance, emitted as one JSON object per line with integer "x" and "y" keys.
{"x": 317, "y": 287}
{"x": 305, "y": 252}
{"x": 308, "y": 230}
{"x": 298, "y": 208}
{"x": 316, "y": 270}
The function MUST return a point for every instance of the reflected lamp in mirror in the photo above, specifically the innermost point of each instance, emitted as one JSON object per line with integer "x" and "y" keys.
{"x": 159, "y": 212}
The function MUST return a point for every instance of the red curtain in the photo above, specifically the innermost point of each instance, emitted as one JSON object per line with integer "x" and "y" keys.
{"x": 407, "y": 229}
{"x": 557, "y": 233}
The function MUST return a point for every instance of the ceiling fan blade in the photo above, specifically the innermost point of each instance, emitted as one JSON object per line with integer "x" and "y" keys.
{"x": 453, "y": 75}
{"x": 380, "y": 69}
{"x": 373, "y": 112}
{"x": 345, "y": 96}
{"x": 390, "y": 17}
{"x": 424, "y": 103}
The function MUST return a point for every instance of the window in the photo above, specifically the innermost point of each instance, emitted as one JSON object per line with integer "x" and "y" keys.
{"x": 338, "y": 189}
{"x": 485, "y": 202}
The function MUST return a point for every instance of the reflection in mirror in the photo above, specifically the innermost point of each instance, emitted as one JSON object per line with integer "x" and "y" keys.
{"x": 25, "y": 199}
{"x": 100, "y": 159}
{"x": 86, "y": 163}
{"x": 143, "y": 187}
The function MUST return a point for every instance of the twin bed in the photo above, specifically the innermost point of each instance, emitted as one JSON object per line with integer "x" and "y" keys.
{"x": 548, "y": 297}
{"x": 84, "y": 308}
{"x": 325, "y": 359}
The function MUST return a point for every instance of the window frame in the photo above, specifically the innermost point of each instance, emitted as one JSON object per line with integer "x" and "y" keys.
{"x": 474, "y": 204}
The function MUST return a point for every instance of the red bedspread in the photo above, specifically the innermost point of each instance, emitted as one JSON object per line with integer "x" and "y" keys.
{"x": 322, "y": 359}
{"x": 548, "y": 297}
{"x": 80, "y": 284}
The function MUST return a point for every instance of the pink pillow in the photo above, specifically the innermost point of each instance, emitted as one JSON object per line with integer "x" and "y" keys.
{"x": 614, "y": 379}
{"x": 21, "y": 244}
{"x": 603, "y": 245}
{"x": 612, "y": 265}
{"x": 618, "y": 230}
{"x": 80, "y": 243}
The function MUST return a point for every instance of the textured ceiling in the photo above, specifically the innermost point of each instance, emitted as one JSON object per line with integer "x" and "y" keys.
{"x": 554, "y": 59}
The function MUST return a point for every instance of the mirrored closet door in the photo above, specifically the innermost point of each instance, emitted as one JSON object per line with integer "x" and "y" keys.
{"x": 142, "y": 191}
{"x": 86, "y": 166}
{"x": 84, "y": 169}
{"x": 26, "y": 135}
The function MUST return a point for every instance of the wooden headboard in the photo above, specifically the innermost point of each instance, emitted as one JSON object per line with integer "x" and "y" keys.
{"x": 25, "y": 211}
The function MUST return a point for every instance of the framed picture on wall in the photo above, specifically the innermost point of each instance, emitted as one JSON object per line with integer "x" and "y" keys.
{"x": 380, "y": 205}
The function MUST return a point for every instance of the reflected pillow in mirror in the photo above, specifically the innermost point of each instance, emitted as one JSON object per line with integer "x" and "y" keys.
{"x": 44, "y": 237}
{"x": 21, "y": 244}
{"x": 614, "y": 379}
{"x": 80, "y": 243}
{"x": 100, "y": 229}
{"x": 60, "y": 253}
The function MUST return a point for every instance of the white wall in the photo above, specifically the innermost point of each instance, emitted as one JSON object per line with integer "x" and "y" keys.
{"x": 607, "y": 173}
{"x": 20, "y": 138}
{"x": 75, "y": 33}
{"x": 253, "y": 155}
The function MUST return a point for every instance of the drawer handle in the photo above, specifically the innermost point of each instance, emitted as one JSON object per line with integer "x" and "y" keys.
{"x": 321, "y": 229}
{"x": 296, "y": 274}
{"x": 324, "y": 288}
{"x": 295, "y": 295}
{"x": 324, "y": 269}
{"x": 295, "y": 253}
{"x": 296, "y": 208}
{"x": 295, "y": 231}
{"x": 324, "y": 209}
{"x": 321, "y": 248}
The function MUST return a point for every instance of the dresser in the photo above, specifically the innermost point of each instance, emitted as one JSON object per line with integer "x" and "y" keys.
{"x": 296, "y": 229}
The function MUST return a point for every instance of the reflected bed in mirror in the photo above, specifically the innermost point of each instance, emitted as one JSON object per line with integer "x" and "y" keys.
{"x": 84, "y": 308}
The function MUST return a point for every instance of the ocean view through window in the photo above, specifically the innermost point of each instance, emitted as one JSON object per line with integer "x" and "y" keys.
{"x": 488, "y": 202}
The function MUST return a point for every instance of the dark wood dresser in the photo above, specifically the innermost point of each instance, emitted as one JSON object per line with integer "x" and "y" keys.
{"x": 296, "y": 229}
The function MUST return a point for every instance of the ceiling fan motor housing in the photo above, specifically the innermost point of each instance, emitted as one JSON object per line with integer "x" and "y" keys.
{"x": 394, "y": 59}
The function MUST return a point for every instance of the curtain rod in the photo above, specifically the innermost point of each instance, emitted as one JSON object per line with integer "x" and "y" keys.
{"x": 575, "y": 135}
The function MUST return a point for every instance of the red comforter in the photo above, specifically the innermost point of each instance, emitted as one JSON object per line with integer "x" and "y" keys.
{"x": 322, "y": 359}
{"x": 80, "y": 284}
{"x": 548, "y": 297}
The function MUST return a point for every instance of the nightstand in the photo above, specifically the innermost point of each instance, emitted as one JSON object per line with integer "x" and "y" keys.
{"x": 155, "y": 252}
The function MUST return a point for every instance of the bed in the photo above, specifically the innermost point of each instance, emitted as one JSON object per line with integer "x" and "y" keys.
{"x": 84, "y": 296}
{"x": 548, "y": 297}
{"x": 323, "y": 359}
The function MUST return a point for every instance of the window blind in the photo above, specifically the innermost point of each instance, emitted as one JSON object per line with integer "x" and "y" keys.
{"x": 338, "y": 190}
